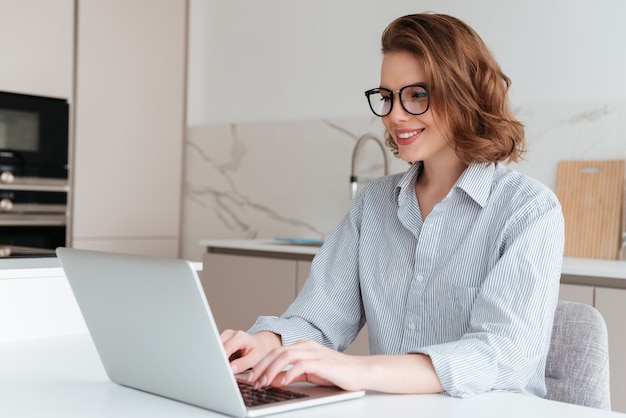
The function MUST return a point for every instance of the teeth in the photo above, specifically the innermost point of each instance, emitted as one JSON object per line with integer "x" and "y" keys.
{"x": 407, "y": 135}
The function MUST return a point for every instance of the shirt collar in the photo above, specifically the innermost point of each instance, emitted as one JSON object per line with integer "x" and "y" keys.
{"x": 476, "y": 181}
{"x": 406, "y": 184}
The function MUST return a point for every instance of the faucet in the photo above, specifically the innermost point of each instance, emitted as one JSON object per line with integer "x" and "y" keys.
{"x": 354, "y": 182}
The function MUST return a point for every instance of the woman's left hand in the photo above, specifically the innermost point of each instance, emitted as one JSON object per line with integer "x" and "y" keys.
{"x": 309, "y": 362}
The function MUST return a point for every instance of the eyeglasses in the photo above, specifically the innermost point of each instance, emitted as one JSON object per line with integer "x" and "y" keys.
{"x": 413, "y": 98}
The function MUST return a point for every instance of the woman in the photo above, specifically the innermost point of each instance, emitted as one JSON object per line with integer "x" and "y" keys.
{"x": 454, "y": 265}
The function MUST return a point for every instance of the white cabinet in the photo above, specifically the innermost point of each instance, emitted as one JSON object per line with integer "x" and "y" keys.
{"x": 577, "y": 293}
{"x": 129, "y": 125}
{"x": 37, "y": 47}
{"x": 240, "y": 288}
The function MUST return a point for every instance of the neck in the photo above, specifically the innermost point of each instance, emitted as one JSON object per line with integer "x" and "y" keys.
{"x": 442, "y": 175}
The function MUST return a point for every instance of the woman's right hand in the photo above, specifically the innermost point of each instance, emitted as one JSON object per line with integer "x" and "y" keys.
{"x": 245, "y": 350}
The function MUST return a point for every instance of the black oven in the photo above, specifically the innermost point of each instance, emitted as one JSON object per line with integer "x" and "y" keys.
{"x": 34, "y": 140}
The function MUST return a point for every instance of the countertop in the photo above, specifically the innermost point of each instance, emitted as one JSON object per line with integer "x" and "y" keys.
{"x": 604, "y": 272}
{"x": 574, "y": 269}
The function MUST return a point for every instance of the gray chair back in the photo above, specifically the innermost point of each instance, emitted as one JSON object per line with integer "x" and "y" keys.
{"x": 577, "y": 367}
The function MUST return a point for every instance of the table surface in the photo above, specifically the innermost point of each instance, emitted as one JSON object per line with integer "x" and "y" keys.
{"x": 63, "y": 377}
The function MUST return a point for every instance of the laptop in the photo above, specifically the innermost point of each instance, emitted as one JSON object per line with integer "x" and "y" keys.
{"x": 154, "y": 331}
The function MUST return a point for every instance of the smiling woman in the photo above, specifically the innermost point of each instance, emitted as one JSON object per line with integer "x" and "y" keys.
{"x": 478, "y": 305}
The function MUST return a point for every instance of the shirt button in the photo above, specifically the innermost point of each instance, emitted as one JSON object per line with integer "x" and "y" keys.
{"x": 420, "y": 278}
{"x": 412, "y": 326}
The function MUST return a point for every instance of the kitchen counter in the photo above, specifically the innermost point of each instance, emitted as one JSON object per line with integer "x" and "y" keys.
{"x": 585, "y": 271}
{"x": 605, "y": 273}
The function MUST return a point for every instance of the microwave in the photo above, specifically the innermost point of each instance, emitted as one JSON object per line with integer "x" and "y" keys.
{"x": 33, "y": 136}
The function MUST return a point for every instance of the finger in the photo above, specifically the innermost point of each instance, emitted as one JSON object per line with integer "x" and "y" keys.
{"x": 240, "y": 348}
{"x": 314, "y": 365}
{"x": 242, "y": 364}
{"x": 261, "y": 374}
{"x": 232, "y": 342}
{"x": 279, "y": 359}
{"x": 227, "y": 334}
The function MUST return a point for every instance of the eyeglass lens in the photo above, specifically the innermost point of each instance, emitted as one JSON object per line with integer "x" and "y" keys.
{"x": 414, "y": 99}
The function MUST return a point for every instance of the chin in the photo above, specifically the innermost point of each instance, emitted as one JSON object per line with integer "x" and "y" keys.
{"x": 409, "y": 157}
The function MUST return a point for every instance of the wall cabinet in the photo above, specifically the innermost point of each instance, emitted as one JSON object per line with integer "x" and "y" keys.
{"x": 37, "y": 47}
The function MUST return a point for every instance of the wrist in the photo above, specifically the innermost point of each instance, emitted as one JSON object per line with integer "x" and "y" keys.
{"x": 269, "y": 340}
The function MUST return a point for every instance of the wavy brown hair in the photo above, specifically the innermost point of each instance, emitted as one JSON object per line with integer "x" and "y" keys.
{"x": 466, "y": 87}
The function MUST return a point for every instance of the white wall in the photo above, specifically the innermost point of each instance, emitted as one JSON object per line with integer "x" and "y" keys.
{"x": 282, "y": 59}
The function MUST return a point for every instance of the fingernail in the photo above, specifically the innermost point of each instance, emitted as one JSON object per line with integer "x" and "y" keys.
{"x": 263, "y": 381}
{"x": 250, "y": 377}
{"x": 234, "y": 368}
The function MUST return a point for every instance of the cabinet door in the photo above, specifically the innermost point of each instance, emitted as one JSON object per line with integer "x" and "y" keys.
{"x": 130, "y": 101}
{"x": 304, "y": 267}
{"x": 241, "y": 288}
{"x": 611, "y": 303}
{"x": 577, "y": 293}
{"x": 37, "y": 47}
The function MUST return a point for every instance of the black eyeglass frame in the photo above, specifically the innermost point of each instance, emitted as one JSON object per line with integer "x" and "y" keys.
{"x": 368, "y": 93}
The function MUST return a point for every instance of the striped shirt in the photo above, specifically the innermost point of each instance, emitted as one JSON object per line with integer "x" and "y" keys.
{"x": 474, "y": 285}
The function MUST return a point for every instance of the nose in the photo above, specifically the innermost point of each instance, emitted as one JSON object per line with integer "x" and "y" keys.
{"x": 397, "y": 110}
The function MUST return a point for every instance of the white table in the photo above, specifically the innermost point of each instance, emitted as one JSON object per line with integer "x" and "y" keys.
{"x": 63, "y": 377}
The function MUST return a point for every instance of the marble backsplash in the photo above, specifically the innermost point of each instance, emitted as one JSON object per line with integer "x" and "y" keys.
{"x": 291, "y": 178}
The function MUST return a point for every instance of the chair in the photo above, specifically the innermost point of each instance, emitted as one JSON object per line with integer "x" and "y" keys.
{"x": 577, "y": 366}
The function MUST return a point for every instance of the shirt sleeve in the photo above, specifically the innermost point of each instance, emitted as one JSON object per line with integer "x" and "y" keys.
{"x": 329, "y": 309}
{"x": 506, "y": 344}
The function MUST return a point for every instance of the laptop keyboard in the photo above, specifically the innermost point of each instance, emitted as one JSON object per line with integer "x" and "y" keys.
{"x": 265, "y": 395}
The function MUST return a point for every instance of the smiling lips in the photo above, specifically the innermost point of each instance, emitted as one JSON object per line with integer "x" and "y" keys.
{"x": 407, "y": 137}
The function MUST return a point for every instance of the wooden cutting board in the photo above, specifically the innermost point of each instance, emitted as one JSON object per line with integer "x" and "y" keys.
{"x": 592, "y": 196}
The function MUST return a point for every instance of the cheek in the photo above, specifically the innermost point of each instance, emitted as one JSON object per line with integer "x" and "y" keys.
{"x": 387, "y": 125}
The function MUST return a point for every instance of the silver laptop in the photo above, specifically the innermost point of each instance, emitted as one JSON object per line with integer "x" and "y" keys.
{"x": 153, "y": 330}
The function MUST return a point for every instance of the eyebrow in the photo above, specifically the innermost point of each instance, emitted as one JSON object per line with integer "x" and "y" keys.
{"x": 419, "y": 83}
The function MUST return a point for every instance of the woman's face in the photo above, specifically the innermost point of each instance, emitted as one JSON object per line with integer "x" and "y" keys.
{"x": 418, "y": 137}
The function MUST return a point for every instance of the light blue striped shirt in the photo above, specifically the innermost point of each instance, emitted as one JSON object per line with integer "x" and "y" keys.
{"x": 474, "y": 286}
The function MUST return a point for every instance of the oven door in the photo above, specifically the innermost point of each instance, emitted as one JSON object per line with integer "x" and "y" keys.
{"x": 33, "y": 215}
{"x": 40, "y": 236}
